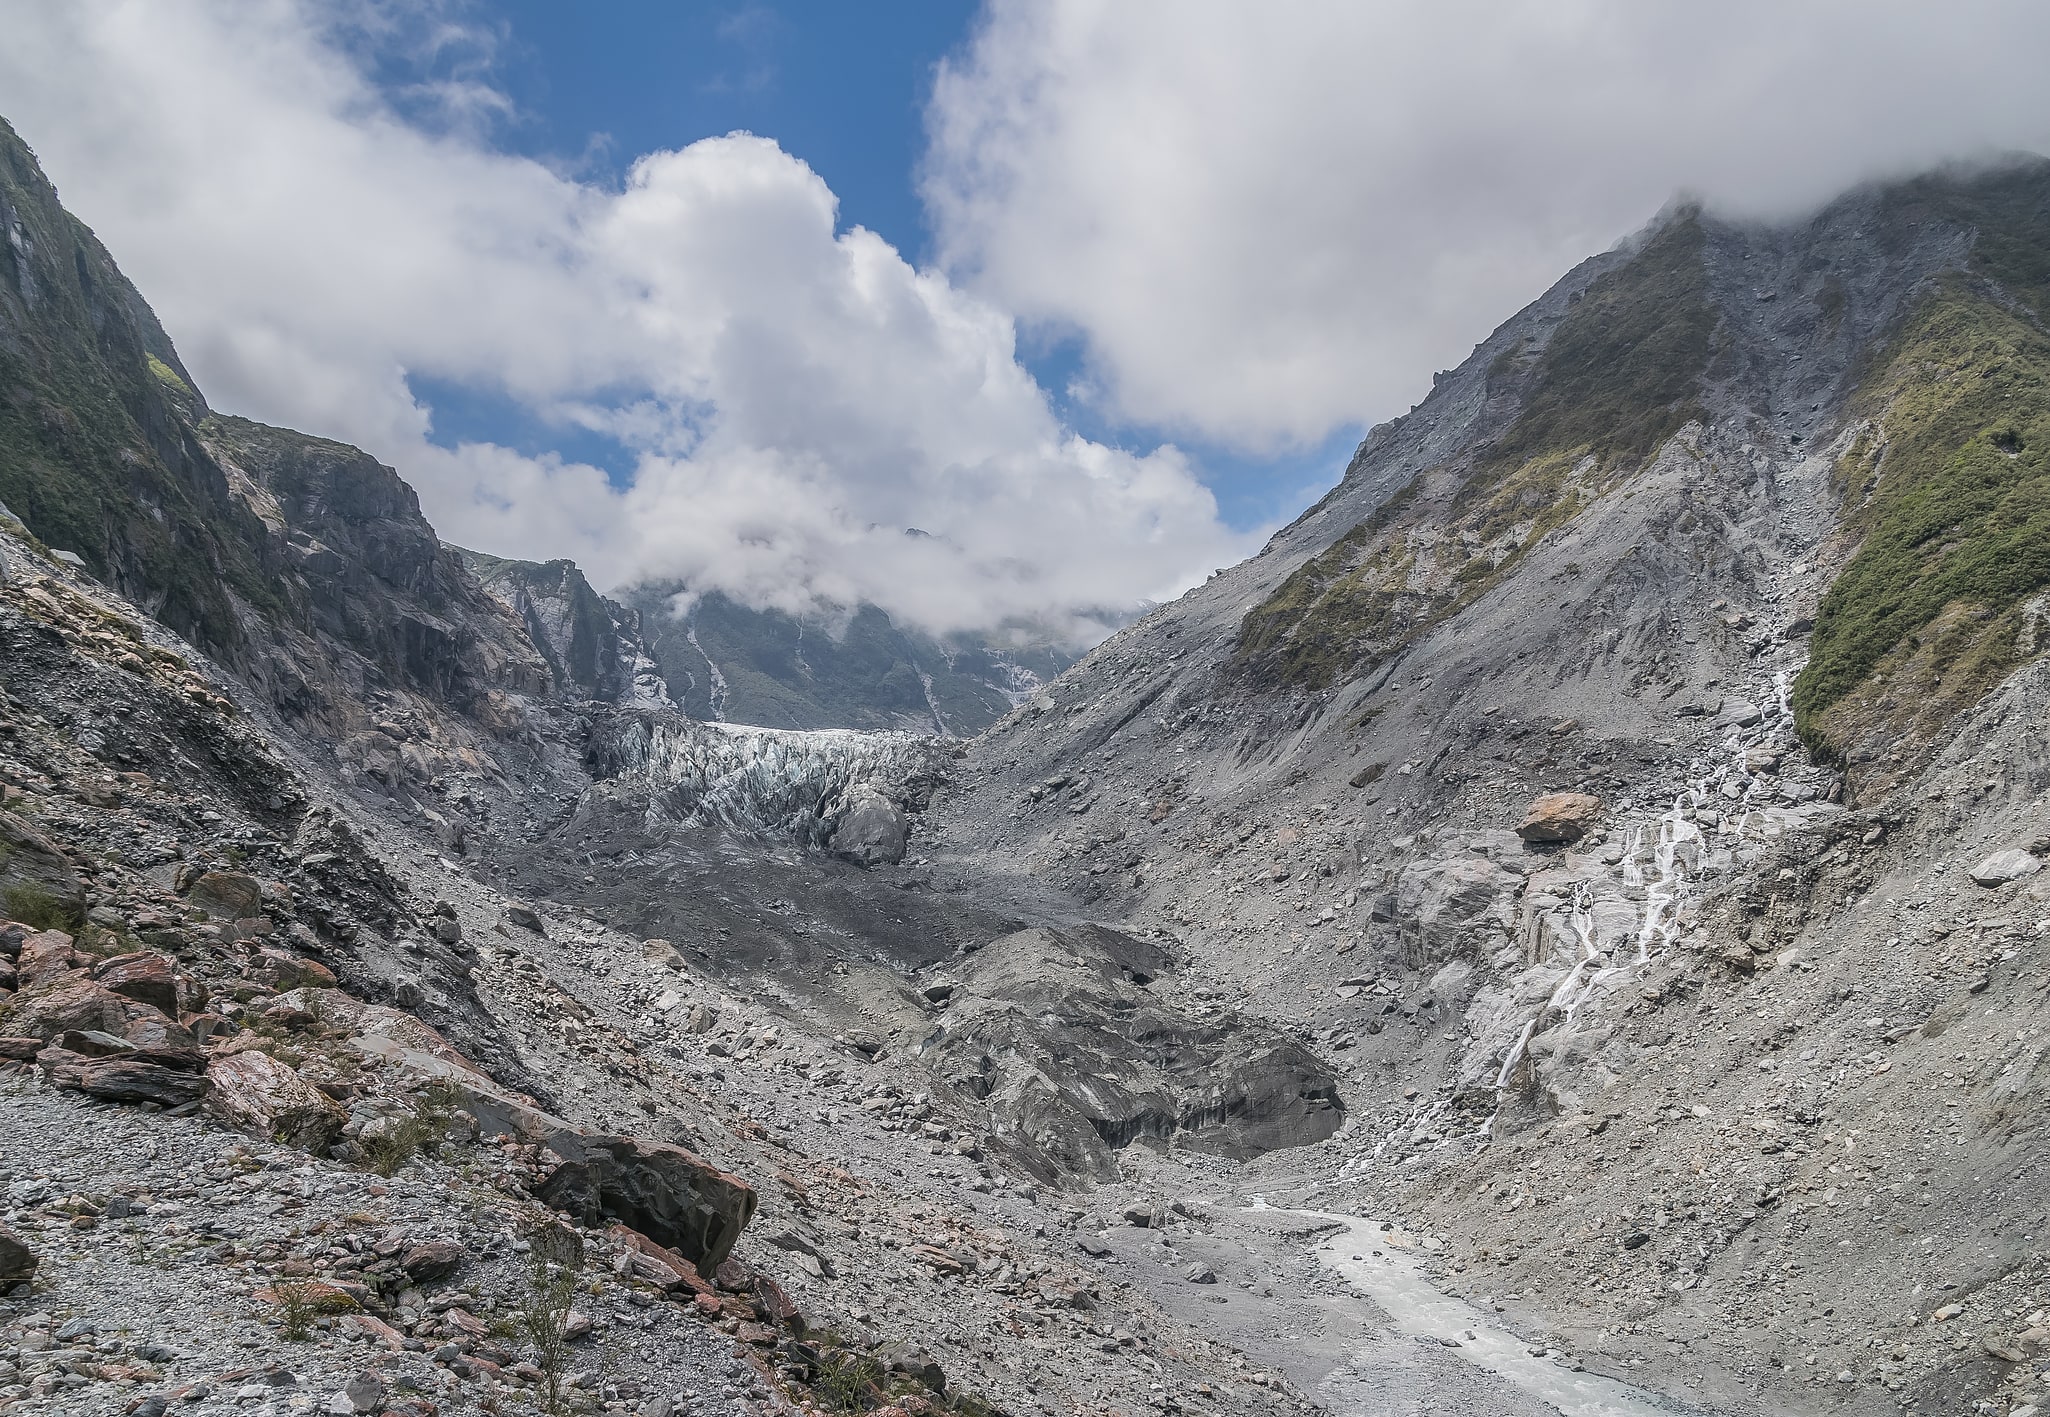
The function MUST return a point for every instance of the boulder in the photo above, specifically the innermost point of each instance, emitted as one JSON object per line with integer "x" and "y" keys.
{"x": 873, "y": 831}
{"x": 525, "y": 917}
{"x": 33, "y": 870}
{"x": 658, "y": 1264}
{"x": 144, "y": 977}
{"x": 282, "y": 970}
{"x": 255, "y": 1094}
{"x": 663, "y": 1191}
{"x": 17, "y": 1260}
{"x": 44, "y": 956}
{"x": 1442, "y": 905}
{"x": 227, "y": 895}
{"x": 2004, "y": 866}
{"x": 1559, "y": 817}
{"x": 169, "y": 1077}
{"x": 74, "y": 1001}
{"x": 432, "y": 1261}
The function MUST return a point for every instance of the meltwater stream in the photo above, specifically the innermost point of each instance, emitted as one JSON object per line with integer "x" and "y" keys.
{"x": 1379, "y": 1265}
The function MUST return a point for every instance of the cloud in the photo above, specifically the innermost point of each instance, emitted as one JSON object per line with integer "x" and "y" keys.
{"x": 791, "y": 396}
{"x": 1264, "y": 222}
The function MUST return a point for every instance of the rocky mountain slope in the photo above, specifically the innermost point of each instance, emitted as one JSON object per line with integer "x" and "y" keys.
{"x": 1557, "y": 931}
{"x": 1732, "y": 543}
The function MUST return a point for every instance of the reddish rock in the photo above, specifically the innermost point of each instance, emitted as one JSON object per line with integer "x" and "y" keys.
{"x": 1560, "y": 817}
{"x": 282, "y": 970}
{"x": 72, "y": 1001}
{"x": 658, "y": 1264}
{"x": 44, "y": 956}
{"x": 21, "y": 1050}
{"x": 432, "y": 1260}
{"x": 778, "y": 1304}
{"x": 152, "y": 1030}
{"x": 144, "y": 977}
{"x": 256, "y": 1094}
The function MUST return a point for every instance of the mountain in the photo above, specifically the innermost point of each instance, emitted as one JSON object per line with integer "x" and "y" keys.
{"x": 1633, "y": 770}
{"x": 1574, "y": 899}
{"x": 723, "y": 661}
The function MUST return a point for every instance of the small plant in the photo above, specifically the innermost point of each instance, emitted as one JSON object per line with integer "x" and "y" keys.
{"x": 300, "y": 1302}
{"x": 418, "y": 1133}
{"x": 542, "y": 1321}
{"x": 846, "y": 1380}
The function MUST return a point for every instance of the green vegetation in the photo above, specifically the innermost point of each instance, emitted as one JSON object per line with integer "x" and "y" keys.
{"x": 542, "y": 1322}
{"x": 1619, "y": 377}
{"x": 300, "y": 1302}
{"x": 419, "y": 1133}
{"x": 39, "y": 909}
{"x": 1952, "y": 507}
{"x": 1622, "y": 372}
{"x": 168, "y": 375}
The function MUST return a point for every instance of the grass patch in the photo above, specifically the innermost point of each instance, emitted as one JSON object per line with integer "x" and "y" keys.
{"x": 1619, "y": 377}
{"x": 1951, "y": 505}
{"x": 41, "y": 909}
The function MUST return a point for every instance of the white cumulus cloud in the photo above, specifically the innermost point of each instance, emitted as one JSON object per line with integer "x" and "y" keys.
{"x": 1267, "y": 221}
{"x": 794, "y": 395}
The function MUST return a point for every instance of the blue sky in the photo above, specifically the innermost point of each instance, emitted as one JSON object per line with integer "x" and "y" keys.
{"x": 842, "y": 87}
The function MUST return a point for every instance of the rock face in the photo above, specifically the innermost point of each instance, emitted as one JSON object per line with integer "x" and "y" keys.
{"x": 663, "y": 1191}
{"x": 32, "y": 869}
{"x": 723, "y": 661}
{"x": 73, "y": 1001}
{"x": 226, "y": 895}
{"x": 592, "y": 645}
{"x": 1560, "y": 817}
{"x": 147, "y": 978}
{"x": 167, "y": 1077}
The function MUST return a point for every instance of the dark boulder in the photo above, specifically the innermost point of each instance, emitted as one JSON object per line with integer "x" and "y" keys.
{"x": 663, "y": 1191}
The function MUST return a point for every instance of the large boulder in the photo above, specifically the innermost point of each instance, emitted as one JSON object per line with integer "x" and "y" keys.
{"x": 169, "y": 1077}
{"x": 255, "y": 1094}
{"x": 44, "y": 956}
{"x": 1559, "y": 817}
{"x": 873, "y": 831}
{"x": 227, "y": 895}
{"x": 663, "y": 1191}
{"x": 1442, "y": 907}
{"x": 144, "y": 977}
{"x": 74, "y": 1000}
{"x": 282, "y": 970}
{"x": 33, "y": 871}
{"x": 17, "y": 1260}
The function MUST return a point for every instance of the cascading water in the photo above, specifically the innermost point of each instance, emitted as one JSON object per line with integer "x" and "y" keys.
{"x": 1679, "y": 853}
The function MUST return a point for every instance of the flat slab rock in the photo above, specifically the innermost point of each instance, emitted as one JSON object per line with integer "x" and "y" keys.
{"x": 2004, "y": 866}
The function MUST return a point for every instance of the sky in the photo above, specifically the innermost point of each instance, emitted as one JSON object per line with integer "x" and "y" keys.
{"x": 1094, "y": 293}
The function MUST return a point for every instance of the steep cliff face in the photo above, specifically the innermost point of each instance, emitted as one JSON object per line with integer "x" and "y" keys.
{"x": 303, "y": 564}
{"x": 593, "y": 645}
{"x": 98, "y": 453}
